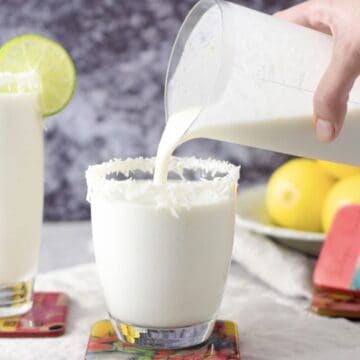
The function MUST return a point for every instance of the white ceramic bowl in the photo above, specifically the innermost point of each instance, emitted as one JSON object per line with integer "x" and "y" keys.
{"x": 252, "y": 215}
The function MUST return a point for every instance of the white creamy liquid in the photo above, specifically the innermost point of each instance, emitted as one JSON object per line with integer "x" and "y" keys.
{"x": 292, "y": 134}
{"x": 159, "y": 270}
{"x": 162, "y": 251}
{"x": 21, "y": 186}
{"x": 172, "y": 136}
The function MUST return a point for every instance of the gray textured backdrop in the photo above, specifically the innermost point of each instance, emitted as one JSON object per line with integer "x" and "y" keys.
{"x": 120, "y": 48}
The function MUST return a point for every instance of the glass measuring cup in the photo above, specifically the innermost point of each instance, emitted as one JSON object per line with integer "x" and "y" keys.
{"x": 249, "y": 78}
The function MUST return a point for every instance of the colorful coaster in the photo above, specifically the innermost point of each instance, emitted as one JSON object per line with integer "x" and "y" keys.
{"x": 336, "y": 304}
{"x": 46, "y": 318}
{"x": 222, "y": 344}
{"x": 336, "y": 277}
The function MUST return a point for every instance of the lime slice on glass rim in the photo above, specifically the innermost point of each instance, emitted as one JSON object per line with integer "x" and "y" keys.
{"x": 51, "y": 62}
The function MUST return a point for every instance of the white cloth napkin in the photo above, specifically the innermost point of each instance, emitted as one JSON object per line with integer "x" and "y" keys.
{"x": 283, "y": 269}
{"x": 86, "y": 306}
{"x": 269, "y": 328}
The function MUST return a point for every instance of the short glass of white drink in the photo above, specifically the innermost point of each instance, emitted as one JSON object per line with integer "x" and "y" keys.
{"x": 163, "y": 250}
{"x": 21, "y": 193}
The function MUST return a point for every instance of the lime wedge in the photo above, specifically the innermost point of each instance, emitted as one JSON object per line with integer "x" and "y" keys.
{"x": 52, "y": 63}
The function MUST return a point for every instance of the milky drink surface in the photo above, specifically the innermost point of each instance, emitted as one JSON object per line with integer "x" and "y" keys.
{"x": 249, "y": 78}
{"x": 21, "y": 186}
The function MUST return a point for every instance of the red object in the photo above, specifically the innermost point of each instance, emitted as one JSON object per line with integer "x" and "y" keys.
{"x": 339, "y": 257}
{"x": 46, "y": 318}
{"x": 337, "y": 273}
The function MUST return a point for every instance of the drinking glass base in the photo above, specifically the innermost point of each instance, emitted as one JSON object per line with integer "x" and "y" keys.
{"x": 16, "y": 298}
{"x": 163, "y": 338}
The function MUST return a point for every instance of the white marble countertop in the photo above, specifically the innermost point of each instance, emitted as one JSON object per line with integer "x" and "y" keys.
{"x": 271, "y": 325}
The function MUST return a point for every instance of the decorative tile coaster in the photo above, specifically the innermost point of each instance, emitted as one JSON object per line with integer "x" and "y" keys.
{"x": 336, "y": 304}
{"x": 46, "y": 318}
{"x": 103, "y": 344}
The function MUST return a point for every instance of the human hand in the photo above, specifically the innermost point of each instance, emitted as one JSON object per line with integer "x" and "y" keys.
{"x": 341, "y": 19}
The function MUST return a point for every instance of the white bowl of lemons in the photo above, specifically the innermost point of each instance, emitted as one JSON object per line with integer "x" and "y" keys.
{"x": 298, "y": 204}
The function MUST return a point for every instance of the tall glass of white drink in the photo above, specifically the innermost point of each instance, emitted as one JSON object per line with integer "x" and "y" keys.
{"x": 21, "y": 193}
{"x": 163, "y": 250}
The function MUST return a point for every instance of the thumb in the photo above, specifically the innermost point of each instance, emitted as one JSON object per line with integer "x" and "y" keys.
{"x": 331, "y": 96}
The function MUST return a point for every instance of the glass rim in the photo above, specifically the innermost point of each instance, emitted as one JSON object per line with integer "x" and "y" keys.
{"x": 99, "y": 172}
{"x": 173, "y": 193}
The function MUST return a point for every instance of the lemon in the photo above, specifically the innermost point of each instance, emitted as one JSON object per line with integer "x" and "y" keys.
{"x": 344, "y": 192}
{"x": 339, "y": 171}
{"x": 102, "y": 328}
{"x": 296, "y": 193}
{"x": 52, "y": 63}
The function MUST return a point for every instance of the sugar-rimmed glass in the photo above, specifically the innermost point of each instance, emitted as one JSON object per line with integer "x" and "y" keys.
{"x": 163, "y": 251}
